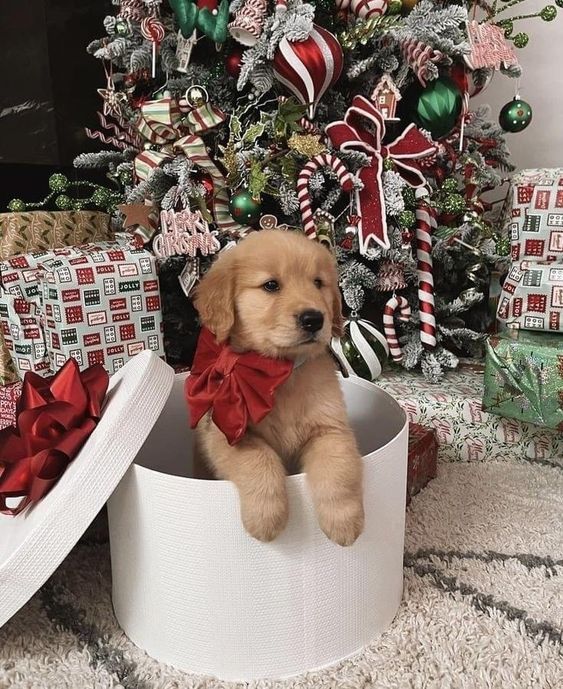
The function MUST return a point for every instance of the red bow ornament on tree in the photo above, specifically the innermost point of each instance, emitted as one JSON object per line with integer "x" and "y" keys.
{"x": 237, "y": 387}
{"x": 54, "y": 417}
{"x": 411, "y": 145}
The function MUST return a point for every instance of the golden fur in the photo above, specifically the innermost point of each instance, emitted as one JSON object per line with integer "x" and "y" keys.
{"x": 308, "y": 428}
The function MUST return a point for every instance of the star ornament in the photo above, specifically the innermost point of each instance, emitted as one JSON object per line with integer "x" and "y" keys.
{"x": 138, "y": 214}
{"x": 113, "y": 101}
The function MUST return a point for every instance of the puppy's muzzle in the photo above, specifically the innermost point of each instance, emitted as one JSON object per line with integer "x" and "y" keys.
{"x": 311, "y": 320}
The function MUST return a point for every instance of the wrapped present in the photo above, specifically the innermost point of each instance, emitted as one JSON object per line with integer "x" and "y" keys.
{"x": 524, "y": 377}
{"x": 9, "y": 395}
{"x": 533, "y": 215}
{"x": 532, "y": 297}
{"x": 463, "y": 429}
{"x": 98, "y": 303}
{"x": 22, "y": 233}
{"x": 422, "y": 458}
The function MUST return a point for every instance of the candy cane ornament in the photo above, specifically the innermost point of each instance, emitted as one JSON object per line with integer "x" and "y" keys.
{"x": 305, "y": 204}
{"x": 364, "y": 9}
{"x": 393, "y": 305}
{"x": 425, "y": 223}
{"x": 153, "y": 30}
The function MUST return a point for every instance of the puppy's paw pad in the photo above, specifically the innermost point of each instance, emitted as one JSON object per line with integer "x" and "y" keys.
{"x": 343, "y": 522}
{"x": 265, "y": 518}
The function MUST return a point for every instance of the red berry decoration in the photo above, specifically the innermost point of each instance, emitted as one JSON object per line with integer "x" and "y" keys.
{"x": 233, "y": 62}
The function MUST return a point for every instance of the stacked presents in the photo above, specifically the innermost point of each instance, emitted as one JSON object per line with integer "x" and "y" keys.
{"x": 524, "y": 371}
{"x": 98, "y": 302}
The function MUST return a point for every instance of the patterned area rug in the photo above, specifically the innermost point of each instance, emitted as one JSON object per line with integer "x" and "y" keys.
{"x": 483, "y": 603}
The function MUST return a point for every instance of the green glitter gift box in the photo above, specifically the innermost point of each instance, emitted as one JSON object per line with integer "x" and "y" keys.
{"x": 524, "y": 377}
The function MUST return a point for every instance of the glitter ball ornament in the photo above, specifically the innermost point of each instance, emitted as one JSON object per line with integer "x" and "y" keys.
{"x": 63, "y": 202}
{"x": 390, "y": 277}
{"x": 548, "y": 13}
{"x": 17, "y": 206}
{"x": 394, "y": 7}
{"x": 521, "y": 40}
{"x": 58, "y": 182}
{"x": 244, "y": 209}
{"x": 77, "y": 205}
{"x": 453, "y": 204}
{"x": 101, "y": 197}
{"x": 515, "y": 116}
{"x": 559, "y": 3}
{"x": 449, "y": 186}
{"x": 233, "y": 62}
{"x": 362, "y": 350}
{"x": 406, "y": 219}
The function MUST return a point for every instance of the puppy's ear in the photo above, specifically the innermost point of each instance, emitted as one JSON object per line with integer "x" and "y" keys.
{"x": 215, "y": 295}
{"x": 337, "y": 319}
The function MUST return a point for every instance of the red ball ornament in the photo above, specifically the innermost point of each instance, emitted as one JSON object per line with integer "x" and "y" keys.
{"x": 233, "y": 62}
{"x": 206, "y": 181}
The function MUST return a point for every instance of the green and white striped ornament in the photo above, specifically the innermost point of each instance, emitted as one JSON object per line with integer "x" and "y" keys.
{"x": 362, "y": 350}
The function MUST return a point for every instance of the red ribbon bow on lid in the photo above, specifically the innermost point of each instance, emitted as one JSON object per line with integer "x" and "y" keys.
{"x": 237, "y": 387}
{"x": 350, "y": 135}
{"x": 54, "y": 417}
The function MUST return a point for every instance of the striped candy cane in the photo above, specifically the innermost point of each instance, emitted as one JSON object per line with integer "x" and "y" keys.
{"x": 417, "y": 55}
{"x": 425, "y": 223}
{"x": 363, "y": 8}
{"x": 395, "y": 304}
{"x": 305, "y": 205}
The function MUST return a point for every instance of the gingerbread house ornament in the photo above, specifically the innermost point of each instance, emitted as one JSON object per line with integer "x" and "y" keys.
{"x": 385, "y": 97}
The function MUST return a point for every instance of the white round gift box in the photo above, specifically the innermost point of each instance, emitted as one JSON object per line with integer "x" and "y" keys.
{"x": 194, "y": 590}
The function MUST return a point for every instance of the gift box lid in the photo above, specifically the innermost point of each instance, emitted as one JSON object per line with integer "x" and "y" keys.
{"x": 34, "y": 543}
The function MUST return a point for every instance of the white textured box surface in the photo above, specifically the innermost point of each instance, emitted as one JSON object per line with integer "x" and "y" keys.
{"x": 194, "y": 590}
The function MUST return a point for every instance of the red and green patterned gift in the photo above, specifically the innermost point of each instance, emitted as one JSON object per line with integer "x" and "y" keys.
{"x": 524, "y": 377}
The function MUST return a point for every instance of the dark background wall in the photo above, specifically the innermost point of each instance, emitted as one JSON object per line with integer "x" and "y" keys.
{"x": 47, "y": 89}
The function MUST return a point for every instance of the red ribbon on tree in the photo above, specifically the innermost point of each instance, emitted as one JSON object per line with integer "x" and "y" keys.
{"x": 54, "y": 417}
{"x": 351, "y": 134}
{"x": 237, "y": 387}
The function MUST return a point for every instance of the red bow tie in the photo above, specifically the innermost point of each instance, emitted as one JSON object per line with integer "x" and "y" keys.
{"x": 237, "y": 387}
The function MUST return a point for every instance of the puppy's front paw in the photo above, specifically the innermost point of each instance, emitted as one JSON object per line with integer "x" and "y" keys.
{"x": 342, "y": 521}
{"x": 265, "y": 516}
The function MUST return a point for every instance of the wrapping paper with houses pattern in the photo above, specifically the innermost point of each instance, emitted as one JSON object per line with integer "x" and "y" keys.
{"x": 524, "y": 377}
{"x": 99, "y": 303}
{"x": 533, "y": 215}
{"x": 22, "y": 233}
{"x": 532, "y": 297}
{"x": 464, "y": 431}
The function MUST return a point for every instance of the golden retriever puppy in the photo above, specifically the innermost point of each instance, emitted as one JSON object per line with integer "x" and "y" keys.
{"x": 276, "y": 293}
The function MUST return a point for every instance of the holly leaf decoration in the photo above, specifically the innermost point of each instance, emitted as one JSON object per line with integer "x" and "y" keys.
{"x": 253, "y": 132}
{"x": 258, "y": 179}
{"x": 235, "y": 127}
{"x": 287, "y": 118}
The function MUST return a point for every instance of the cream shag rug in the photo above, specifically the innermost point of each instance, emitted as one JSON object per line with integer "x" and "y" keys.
{"x": 483, "y": 602}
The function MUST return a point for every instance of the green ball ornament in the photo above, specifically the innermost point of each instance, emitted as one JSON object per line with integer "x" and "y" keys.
{"x": 438, "y": 107}
{"x": 559, "y": 3}
{"x": 100, "y": 197}
{"x": 407, "y": 219}
{"x": 58, "y": 182}
{"x": 64, "y": 202}
{"x": 521, "y": 40}
{"x": 244, "y": 209}
{"x": 515, "y": 116}
{"x": 394, "y": 7}
{"x": 17, "y": 206}
{"x": 409, "y": 197}
{"x": 502, "y": 245}
{"x": 121, "y": 27}
{"x": 548, "y": 13}
{"x": 77, "y": 205}
{"x": 449, "y": 186}
{"x": 507, "y": 26}
{"x": 362, "y": 350}
{"x": 453, "y": 204}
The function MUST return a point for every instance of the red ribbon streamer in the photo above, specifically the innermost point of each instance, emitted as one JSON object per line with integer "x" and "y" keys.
{"x": 236, "y": 387}
{"x": 350, "y": 134}
{"x": 54, "y": 417}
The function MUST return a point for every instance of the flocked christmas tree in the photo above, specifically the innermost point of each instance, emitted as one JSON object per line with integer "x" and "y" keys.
{"x": 349, "y": 120}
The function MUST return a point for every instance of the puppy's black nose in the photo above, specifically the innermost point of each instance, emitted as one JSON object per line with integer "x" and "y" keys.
{"x": 311, "y": 320}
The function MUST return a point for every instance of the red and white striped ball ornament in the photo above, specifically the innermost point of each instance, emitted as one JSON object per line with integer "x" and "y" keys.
{"x": 308, "y": 68}
{"x": 362, "y": 350}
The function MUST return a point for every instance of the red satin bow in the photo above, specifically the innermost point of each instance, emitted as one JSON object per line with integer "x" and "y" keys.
{"x": 237, "y": 387}
{"x": 54, "y": 417}
{"x": 350, "y": 135}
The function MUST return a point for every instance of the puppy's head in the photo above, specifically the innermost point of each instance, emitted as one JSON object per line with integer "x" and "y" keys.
{"x": 276, "y": 293}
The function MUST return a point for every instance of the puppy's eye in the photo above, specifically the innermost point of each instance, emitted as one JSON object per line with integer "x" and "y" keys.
{"x": 271, "y": 286}
{"x": 318, "y": 283}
